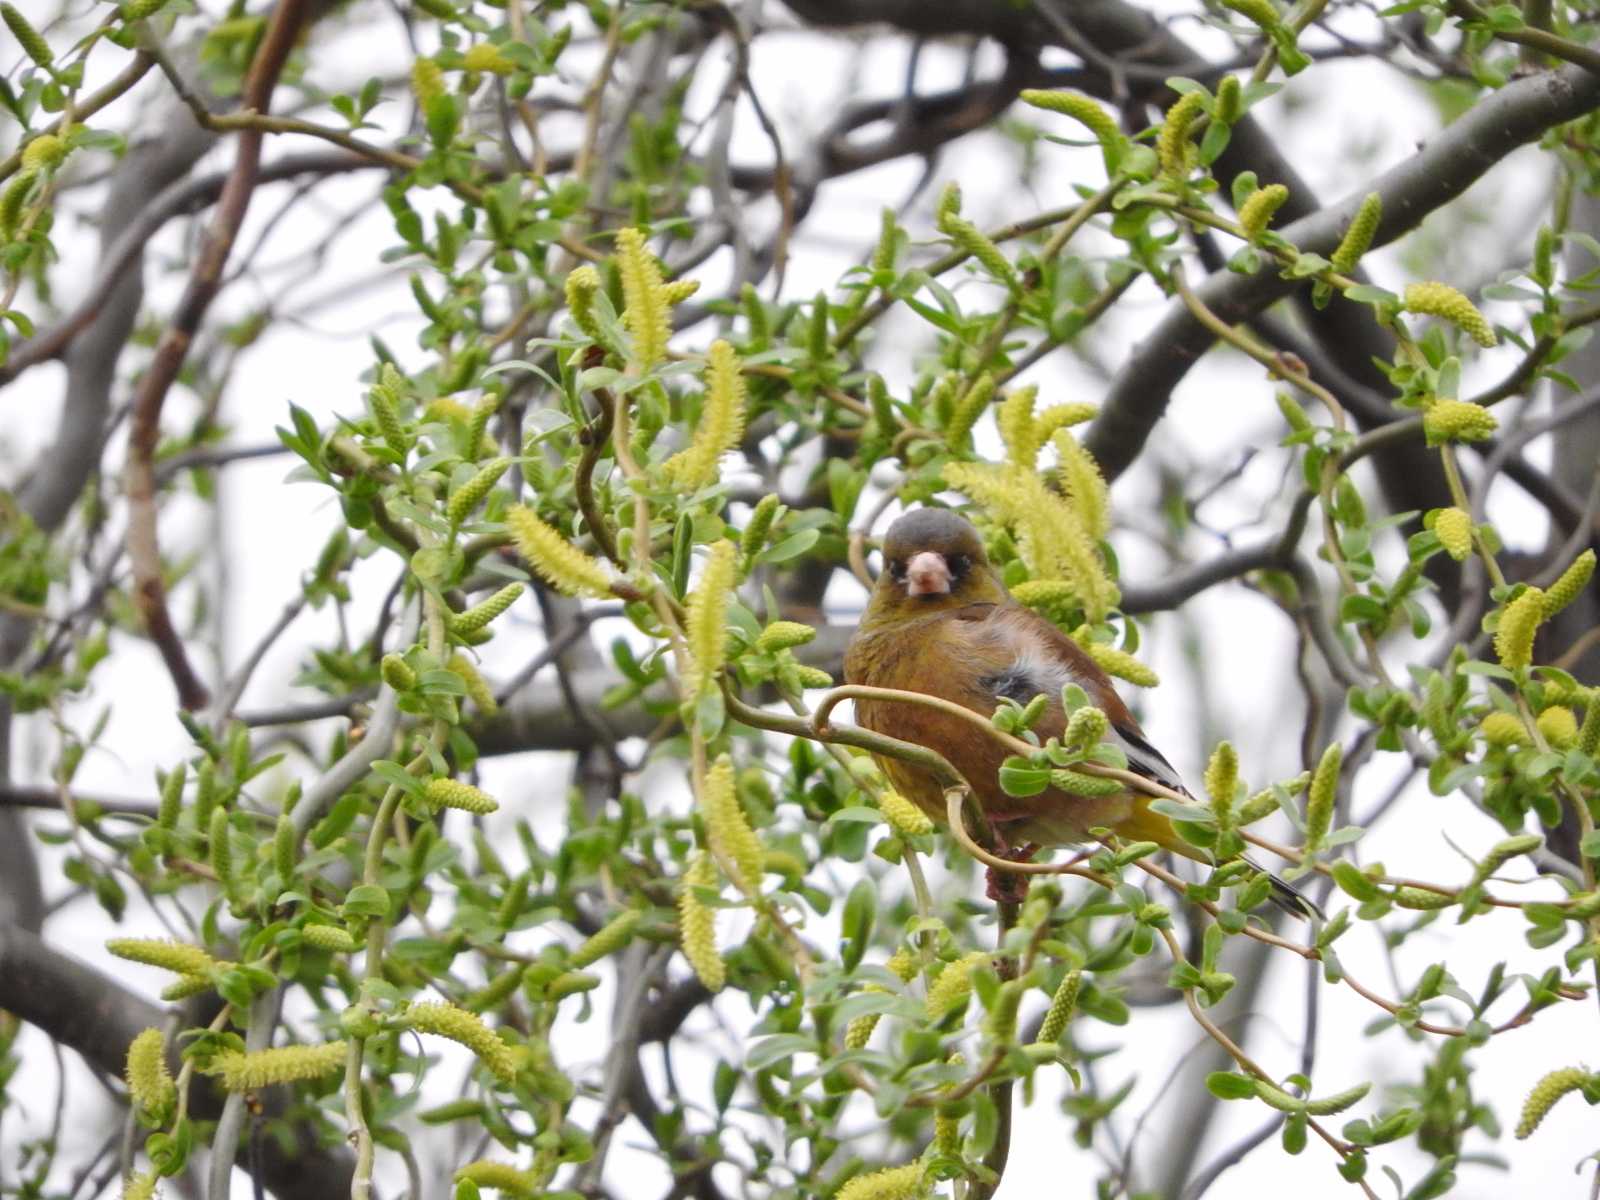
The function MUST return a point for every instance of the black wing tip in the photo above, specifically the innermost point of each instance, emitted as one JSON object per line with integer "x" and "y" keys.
{"x": 1293, "y": 901}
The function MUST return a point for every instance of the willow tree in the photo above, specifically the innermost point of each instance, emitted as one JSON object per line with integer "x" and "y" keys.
{"x": 613, "y": 496}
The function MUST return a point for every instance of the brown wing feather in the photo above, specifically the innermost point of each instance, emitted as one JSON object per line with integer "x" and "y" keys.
{"x": 962, "y": 655}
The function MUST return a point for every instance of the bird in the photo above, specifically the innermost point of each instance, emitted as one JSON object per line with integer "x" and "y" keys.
{"x": 941, "y": 622}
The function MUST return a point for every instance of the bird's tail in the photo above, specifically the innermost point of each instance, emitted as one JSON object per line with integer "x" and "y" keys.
{"x": 1289, "y": 898}
{"x": 1150, "y": 826}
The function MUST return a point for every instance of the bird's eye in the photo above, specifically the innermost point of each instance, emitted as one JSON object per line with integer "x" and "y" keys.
{"x": 897, "y": 570}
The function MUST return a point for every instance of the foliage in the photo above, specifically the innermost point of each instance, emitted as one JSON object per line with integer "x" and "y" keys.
{"x": 595, "y": 388}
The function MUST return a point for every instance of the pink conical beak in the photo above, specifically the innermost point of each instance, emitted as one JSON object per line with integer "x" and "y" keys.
{"x": 927, "y": 574}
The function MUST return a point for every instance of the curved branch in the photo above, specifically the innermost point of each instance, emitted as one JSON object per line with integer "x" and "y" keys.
{"x": 144, "y": 553}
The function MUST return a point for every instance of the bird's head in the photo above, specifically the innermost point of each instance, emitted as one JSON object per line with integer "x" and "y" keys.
{"x": 932, "y": 559}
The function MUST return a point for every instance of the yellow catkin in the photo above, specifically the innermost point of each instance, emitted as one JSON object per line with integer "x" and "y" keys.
{"x": 178, "y": 957}
{"x": 467, "y": 1029}
{"x": 221, "y": 847}
{"x": 1222, "y": 781}
{"x": 1055, "y": 598}
{"x": 706, "y": 619}
{"x": 582, "y": 286}
{"x": 812, "y": 677}
{"x": 1062, "y": 1006}
{"x": 1589, "y": 732}
{"x": 904, "y": 964}
{"x": 966, "y": 411}
{"x": 1503, "y": 852}
{"x": 478, "y": 689}
{"x": 247, "y": 1072}
{"x": 613, "y": 936}
{"x": 645, "y": 310}
{"x": 754, "y": 537}
{"x": 499, "y": 1177}
{"x": 149, "y": 1082}
{"x": 697, "y": 927}
{"x": 954, "y": 983}
{"x": 13, "y": 200}
{"x": 1051, "y": 534}
{"x": 727, "y": 827}
{"x": 472, "y": 493}
{"x": 453, "y": 793}
{"x": 1440, "y": 300}
{"x": 328, "y": 937}
{"x": 43, "y": 153}
{"x": 893, "y": 1183}
{"x": 1513, "y": 639}
{"x": 1357, "y": 239}
{"x": 721, "y": 423}
{"x": 1172, "y": 143}
{"x": 27, "y": 36}
{"x": 784, "y": 635}
{"x": 884, "y": 253}
{"x": 1421, "y": 899}
{"x": 1230, "y": 100}
{"x": 1081, "y": 109}
{"x": 185, "y": 987}
{"x": 486, "y": 57}
{"x": 949, "y": 203}
{"x": 1319, "y": 801}
{"x": 679, "y": 290}
{"x": 1085, "y": 729}
{"x": 1083, "y": 484}
{"x": 1559, "y": 725}
{"x": 1121, "y": 664}
{"x": 141, "y": 1186}
{"x": 427, "y": 81}
{"x": 1000, "y": 1023}
{"x": 1544, "y": 1095}
{"x": 1571, "y": 584}
{"x": 1504, "y": 729}
{"x": 905, "y": 816}
{"x": 1453, "y": 527}
{"x": 1255, "y": 214}
{"x": 1077, "y": 783}
{"x": 479, "y": 615}
{"x": 397, "y": 673}
{"x": 1014, "y": 418}
{"x": 974, "y": 241}
{"x": 558, "y": 561}
{"x": 1061, "y": 416}
{"x": 1457, "y": 421}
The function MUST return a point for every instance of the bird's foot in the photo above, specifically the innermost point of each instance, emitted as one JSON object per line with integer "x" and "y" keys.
{"x": 1010, "y": 887}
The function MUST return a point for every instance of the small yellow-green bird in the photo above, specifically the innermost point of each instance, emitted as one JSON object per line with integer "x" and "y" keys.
{"x": 940, "y": 622}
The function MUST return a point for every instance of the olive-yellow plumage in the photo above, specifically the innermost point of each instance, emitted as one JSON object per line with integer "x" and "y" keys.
{"x": 941, "y": 622}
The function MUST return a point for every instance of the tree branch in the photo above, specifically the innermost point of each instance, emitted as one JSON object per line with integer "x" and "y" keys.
{"x": 88, "y": 1011}
{"x": 1457, "y": 158}
{"x": 144, "y": 552}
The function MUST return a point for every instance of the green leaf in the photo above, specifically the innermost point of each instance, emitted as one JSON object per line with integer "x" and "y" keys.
{"x": 772, "y": 1050}
{"x": 1229, "y": 1085}
{"x": 792, "y": 546}
{"x": 860, "y": 913}
{"x": 1355, "y": 884}
{"x": 855, "y": 812}
{"x": 1019, "y": 777}
{"x": 367, "y": 900}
